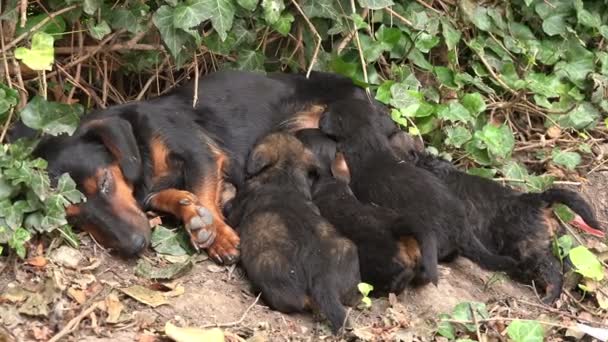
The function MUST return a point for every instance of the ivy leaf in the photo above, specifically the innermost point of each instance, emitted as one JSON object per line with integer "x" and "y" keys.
{"x": 250, "y": 60}
{"x": 129, "y": 19}
{"x": 51, "y": 117}
{"x": 445, "y": 76}
{"x": 564, "y": 245}
{"x": 54, "y": 27}
{"x": 474, "y": 103}
{"x": 455, "y": 112}
{"x": 482, "y": 172}
{"x": 445, "y": 328}
{"x": 100, "y": 30}
{"x": 525, "y": 331}
{"x": 569, "y": 160}
{"x": 166, "y": 241}
{"x": 66, "y": 187}
{"x": 586, "y": 263}
{"x": 18, "y": 240}
{"x": 283, "y": 25}
{"x": 272, "y": 10}
{"x": 185, "y": 17}
{"x": 555, "y": 25}
{"x": 457, "y": 136}
{"x": 450, "y": 34}
{"x": 383, "y": 94}
{"x": 173, "y": 37}
{"x": 91, "y": 6}
{"x": 406, "y": 100}
{"x": 221, "y": 13}
{"x": 8, "y": 99}
{"x": 376, "y": 4}
{"x": 498, "y": 139}
{"x": 463, "y": 312}
{"x": 41, "y": 55}
{"x": 249, "y": 5}
{"x": 583, "y": 116}
{"x": 320, "y": 9}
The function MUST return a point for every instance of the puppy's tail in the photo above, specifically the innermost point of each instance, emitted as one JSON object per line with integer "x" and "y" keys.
{"x": 574, "y": 201}
{"x": 427, "y": 243}
{"x": 327, "y": 301}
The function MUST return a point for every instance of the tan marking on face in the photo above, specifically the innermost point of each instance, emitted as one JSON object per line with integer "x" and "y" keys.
{"x": 306, "y": 118}
{"x": 409, "y": 251}
{"x": 90, "y": 185}
{"x": 123, "y": 202}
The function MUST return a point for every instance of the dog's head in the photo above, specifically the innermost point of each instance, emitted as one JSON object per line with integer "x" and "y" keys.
{"x": 104, "y": 160}
{"x": 282, "y": 158}
{"x": 356, "y": 120}
{"x": 331, "y": 162}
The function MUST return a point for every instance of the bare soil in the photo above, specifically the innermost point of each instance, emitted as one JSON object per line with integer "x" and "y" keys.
{"x": 215, "y": 295}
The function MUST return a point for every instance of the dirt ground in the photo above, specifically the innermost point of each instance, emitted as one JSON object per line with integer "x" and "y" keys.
{"x": 208, "y": 295}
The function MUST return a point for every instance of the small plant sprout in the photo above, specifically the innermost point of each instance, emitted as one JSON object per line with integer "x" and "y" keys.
{"x": 365, "y": 289}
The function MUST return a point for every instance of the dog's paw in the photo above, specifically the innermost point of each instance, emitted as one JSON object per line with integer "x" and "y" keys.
{"x": 201, "y": 229}
{"x": 225, "y": 249}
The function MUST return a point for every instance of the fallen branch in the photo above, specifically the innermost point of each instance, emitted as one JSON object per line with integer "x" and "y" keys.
{"x": 230, "y": 324}
{"x": 74, "y": 322}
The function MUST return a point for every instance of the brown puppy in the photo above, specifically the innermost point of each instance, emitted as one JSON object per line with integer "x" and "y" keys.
{"x": 290, "y": 253}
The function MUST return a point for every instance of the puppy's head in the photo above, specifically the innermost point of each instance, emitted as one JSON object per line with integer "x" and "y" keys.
{"x": 324, "y": 149}
{"x": 351, "y": 120}
{"x": 405, "y": 146}
{"x": 282, "y": 158}
{"x": 103, "y": 159}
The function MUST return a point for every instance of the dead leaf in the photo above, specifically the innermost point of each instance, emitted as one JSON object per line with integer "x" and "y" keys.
{"x": 42, "y": 334}
{"x": 176, "y": 259}
{"x": 178, "y": 334}
{"x": 602, "y": 300}
{"x": 554, "y": 132}
{"x": 67, "y": 257}
{"x": 15, "y": 294}
{"x": 169, "y": 290}
{"x": 146, "y": 338}
{"x": 113, "y": 307}
{"x": 38, "y": 261}
{"x": 35, "y": 305}
{"x": 78, "y": 295}
{"x": 147, "y": 270}
{"x": 215, "y": 268}
{"x": 9, "y": 316}
{"x": 145, "y": 295}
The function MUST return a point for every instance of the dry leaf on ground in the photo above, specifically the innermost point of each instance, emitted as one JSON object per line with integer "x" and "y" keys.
{"x": 178, "y": 334}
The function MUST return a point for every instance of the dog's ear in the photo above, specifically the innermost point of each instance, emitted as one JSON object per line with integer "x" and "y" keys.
{"x": 117, "y": 135}
{"x": 339, "y": 168}
{"x": 260, "y": 158}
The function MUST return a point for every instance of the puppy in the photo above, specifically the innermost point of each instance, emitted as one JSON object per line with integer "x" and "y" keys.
{"x": 506, "y": 221}
{"x": 421, "y": 198}
{"x": 290, "y": 253}
{"x": 389, "y": 254}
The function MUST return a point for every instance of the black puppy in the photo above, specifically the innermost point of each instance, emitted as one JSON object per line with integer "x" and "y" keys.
{"x": 290, "y": 253}
{"x": 506, "y": 221}
{"x": 379, "y": 177}
{"x": 389, "y": 248}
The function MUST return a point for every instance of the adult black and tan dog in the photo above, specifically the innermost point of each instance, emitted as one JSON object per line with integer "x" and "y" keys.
{"x": 291, "y": 254}
{"x": 165, "y": 155}
{"x": 507, "y": 222}
{"x": 379, "y": 176}
{"x": 390, "y": 257}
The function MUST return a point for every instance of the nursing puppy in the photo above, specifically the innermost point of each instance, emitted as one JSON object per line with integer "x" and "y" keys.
{"x": 379, "y": 177}
{"x": 508, "y": 222}
{"x": 390, "y": 257}
{"x": 290, "y": 253}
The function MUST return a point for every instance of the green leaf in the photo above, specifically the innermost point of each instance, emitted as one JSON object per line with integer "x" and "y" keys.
{"x": 478, "y": 15}
{"x": 577, "y": 70}
{"x": 445, "y": 76}
{"x": 383, "y": 94}
{"x": 147, "y": 270}
{"x": 499, "y": 140}
{"x": 91, "y": 6}
{"x": 18, "y": 240}
{"x": 249, "y": 5}
{"x": 525, "y": 331}
{"x": 272, "y": 10}
{"x": 250, "y": 60}
{"x": 585, "y": 115}
{"x": 8, "y": 99}
{"x": 320, "y": 9}
{"x": 174, "y": 38}
{"x": 185, "y": 17}
{"x": 375, "y": 4}
{"x": 367, "y": 302}
{"x": 41, "y": 55}
{"x": 283, "y": 25}
{"x": 221, "y": 13}
{"x": 586, "y": 18}
{"x": 569, "y": 160}
{"x": 365, "y": 288}
{"x": 406, "y": 100}
{"x": 166, "y": 241}
{"x": 564, "y": 245}
{"x": 455, "y": 112}
{"x": 457, "y": 136}
{"x": 586, "y": 263}
{"x": 54, "y": 27}
{"x": 446, "y": 329}
{"x": 450, "y": 34}
{"x": 474, "y": 102}
{"x": 129, "y": 19}
{"x": 100, "y": 30}
{"x": 482, "y": 172}
{"x": 66, "y": 187}
{"x": 464, "y": 312}
{"x": 51, "y": 117}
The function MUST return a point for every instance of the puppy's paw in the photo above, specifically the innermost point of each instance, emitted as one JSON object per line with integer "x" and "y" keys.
{"x": 225, "y": 248}
{"x": 200, "y": 227}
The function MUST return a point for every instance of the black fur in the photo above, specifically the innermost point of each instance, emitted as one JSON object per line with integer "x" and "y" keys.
{"x": 506, "y": 221}
{"x": 380, "y": 177}
{"x": 290, "y": 253}
{"x": 384, "y": 261}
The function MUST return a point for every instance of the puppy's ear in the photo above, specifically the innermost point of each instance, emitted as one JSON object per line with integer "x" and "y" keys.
{"x": 404, "y": 143}
{"x": 117, "y": 135}
{"x": 260, "y": 158}
{"x": 339, "y": 168}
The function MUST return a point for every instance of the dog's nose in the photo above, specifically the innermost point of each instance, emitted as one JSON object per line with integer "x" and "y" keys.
{"x": 135, "y": 244}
